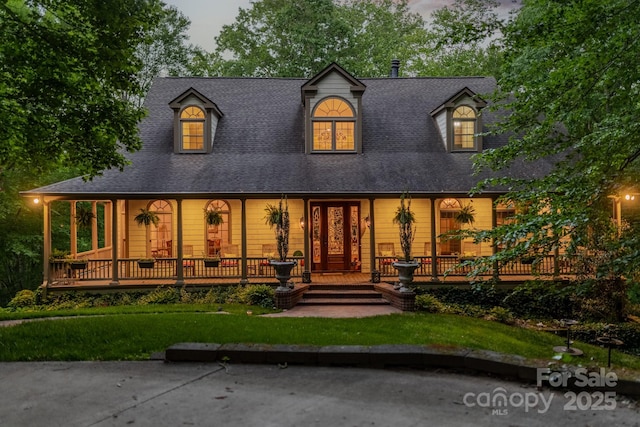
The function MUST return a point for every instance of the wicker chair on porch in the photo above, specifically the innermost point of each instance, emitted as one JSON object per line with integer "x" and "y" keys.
{"x": 388, "y": 255}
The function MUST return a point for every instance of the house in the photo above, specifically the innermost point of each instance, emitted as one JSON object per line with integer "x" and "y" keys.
{"x": 341, "y": 149}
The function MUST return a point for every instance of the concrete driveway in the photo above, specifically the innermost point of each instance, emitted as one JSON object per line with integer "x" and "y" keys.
{"x": 155, "y": 393}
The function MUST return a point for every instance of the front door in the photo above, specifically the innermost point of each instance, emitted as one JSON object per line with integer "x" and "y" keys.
{"x": 335, "y": 236}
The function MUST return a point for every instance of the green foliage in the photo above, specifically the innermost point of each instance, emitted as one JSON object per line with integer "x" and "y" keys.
{"x": 429, "y": 303}
{"x": 24, "y": 298}
{"x": 147, "y": 217}
{"x": 405, "y": 218}
{"x": 278, "y": 217}
{"x": 501, "y": 314}
{"x": 298, "y": 38}
{"x": 570, "y": 88}
{"x": 464, "y": 39}
{"x": 161, "y": 295}
{"x": 541, "y": 300}
{"x": 260, "y": 295}
{"x": 85, "y": 59}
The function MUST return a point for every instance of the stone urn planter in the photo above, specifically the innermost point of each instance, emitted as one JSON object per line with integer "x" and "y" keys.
{"x": 405, "y": 273}
{"x": 283, "y": 273}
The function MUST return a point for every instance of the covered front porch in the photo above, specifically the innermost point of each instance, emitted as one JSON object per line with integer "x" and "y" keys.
{"x": 343, "y": 237}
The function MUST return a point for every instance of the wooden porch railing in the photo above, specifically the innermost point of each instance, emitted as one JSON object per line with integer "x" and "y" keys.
{"x": 166, "y": 268}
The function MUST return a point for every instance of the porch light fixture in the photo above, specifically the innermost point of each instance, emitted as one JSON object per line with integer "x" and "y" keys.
{"x": 36, "y": 200}
{"x": 630, "y": 197}
{"x": 302, "y": 223}
{"x": 367, "y": 221}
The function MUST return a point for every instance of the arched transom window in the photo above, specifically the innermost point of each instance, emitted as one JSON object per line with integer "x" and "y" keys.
{"x": 334, "y": 124}
{"x": 464, "y": 128}
{"x": 161, "y": 237}
{"x": 192, "y": 121}
{"x": 218, "y": 235}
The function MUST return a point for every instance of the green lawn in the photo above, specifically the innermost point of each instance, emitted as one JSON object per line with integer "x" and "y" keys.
{"x": 135, "y": 336}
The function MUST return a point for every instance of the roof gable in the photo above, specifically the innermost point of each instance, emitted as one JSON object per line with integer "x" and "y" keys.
{"x": 178, "y": 101}
{"x": 463, "y": 93}
{"x": 311, "y": 86}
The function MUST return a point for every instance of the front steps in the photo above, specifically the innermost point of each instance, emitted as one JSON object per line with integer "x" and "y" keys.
{"x": 351, "y": 294}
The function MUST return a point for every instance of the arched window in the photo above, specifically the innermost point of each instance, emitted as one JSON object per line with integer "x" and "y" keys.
{"x": 448, "y": 210}
{"x": 334, "y": 124}
{"x": 192, "y": 121}
{"x": 218, "y": 235}
{"x": 161, "y": 237}
{"x": 464, "y": 128}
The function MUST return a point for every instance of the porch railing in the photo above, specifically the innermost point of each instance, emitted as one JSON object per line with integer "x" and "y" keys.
{"x": 259, "y": 267}
{"x": 166, "y": 268}
{"x": 452, "y": 265}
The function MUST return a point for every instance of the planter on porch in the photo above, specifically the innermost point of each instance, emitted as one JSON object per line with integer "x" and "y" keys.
{"x": 405, "y": 274}
{"x": 143, "y": 263}
{"x": 283, "y": 273}
{"x": 211, "y": 262}
{"x": 77, "y": 265}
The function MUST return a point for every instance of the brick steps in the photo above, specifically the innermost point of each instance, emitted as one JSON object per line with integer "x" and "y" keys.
{"x": 352, "y": 294}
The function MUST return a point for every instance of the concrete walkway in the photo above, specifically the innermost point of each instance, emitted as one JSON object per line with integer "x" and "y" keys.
{"x": 154, "y": 393}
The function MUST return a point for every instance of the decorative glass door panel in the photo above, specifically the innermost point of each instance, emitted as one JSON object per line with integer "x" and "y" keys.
{"x": 335, "y": 232}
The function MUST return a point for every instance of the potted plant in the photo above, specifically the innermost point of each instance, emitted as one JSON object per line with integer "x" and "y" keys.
{"x": 213, "y": 261}
{"x": 213, "y": 217}
{"x": 58, "y": 256}
{"x": 84, "y": 216}
{"x": 405, "y": 218}
{"x": 466, "y": 215}
{"x": 147, "y": 217}
{"x": 277, "y": 217}
{"x": 146, "y": 262}
{"x": 77, "y": 264}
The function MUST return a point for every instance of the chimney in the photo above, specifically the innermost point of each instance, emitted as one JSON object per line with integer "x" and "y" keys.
{"x": 395, "y": 66}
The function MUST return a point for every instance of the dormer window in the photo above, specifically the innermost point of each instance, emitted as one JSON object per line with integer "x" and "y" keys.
{"x": 334, "y": 123}
{"x": 459, "y": 121}
{"x": 464, "y": 128}
{"x": 192, "y": 120}
{"x": 195, "y": 120}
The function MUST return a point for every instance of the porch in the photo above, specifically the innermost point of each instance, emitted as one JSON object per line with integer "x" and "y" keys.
{"x": 97, "y": 274}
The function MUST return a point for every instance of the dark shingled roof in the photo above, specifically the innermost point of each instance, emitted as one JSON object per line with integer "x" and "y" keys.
{"x": 259, "y": 144}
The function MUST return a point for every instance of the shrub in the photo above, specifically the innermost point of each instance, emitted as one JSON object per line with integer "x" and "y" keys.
{"x": 161, "y": 295}
{"x": 260, "y": 295}
{"x": 501, "y": 314}
{"x": 24, "y": 298}
{"x": 540, "y": 300}
{"x": 428, "y": 303}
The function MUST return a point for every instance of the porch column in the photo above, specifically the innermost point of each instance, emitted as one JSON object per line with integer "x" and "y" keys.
{"x": 179, "y": 266}
{"x": 114, "y": 242}
{"x": 73, "y": 229}
{"x": 46, "y": 216}
{"x": 375, "y": 274}
{"x": 94, "y": 228}
{"x": 306, "y": 274}
{"x": 243, "y": 241}
{"x": 494, "y": 244}
{"x": 434, "y": 243}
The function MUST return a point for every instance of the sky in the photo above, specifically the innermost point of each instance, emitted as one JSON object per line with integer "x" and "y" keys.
{"x": 208, "y": 16}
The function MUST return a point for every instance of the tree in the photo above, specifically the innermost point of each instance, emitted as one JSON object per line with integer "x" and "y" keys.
{"x": 164, "y": 50}
{"x": 570, "y": 86}
{"x": 284, "y": 38}
{"x": 64, "y": 70}
{"x": 465, "y": 39}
